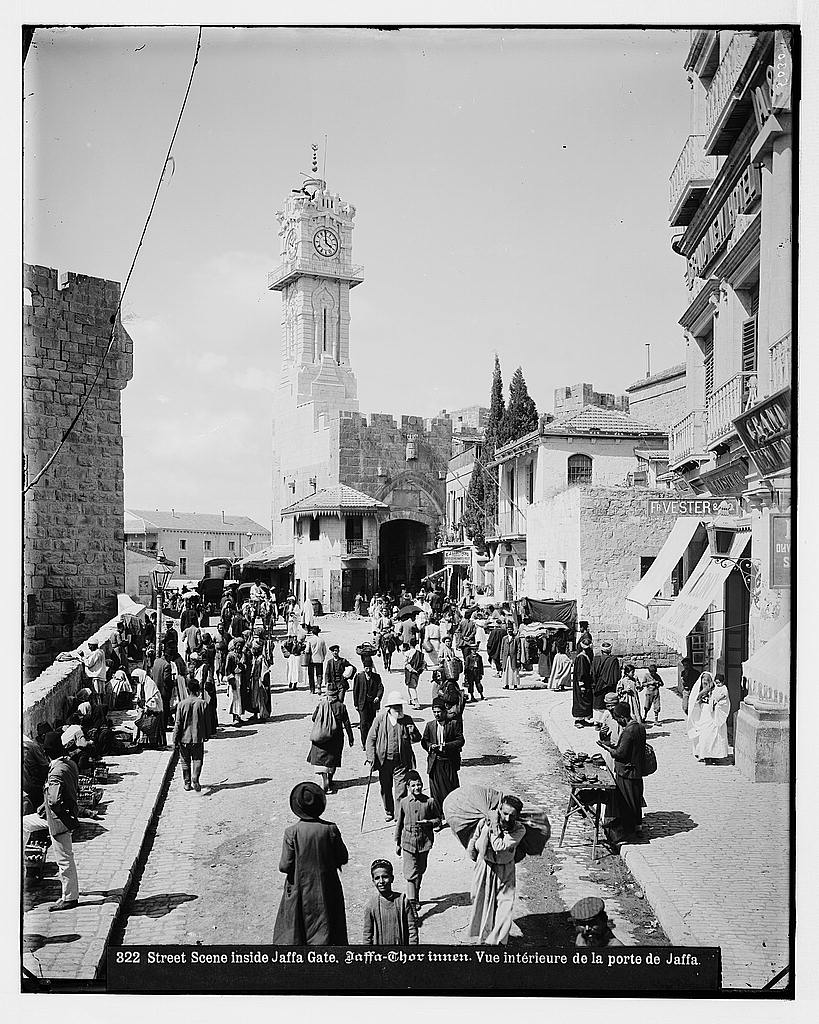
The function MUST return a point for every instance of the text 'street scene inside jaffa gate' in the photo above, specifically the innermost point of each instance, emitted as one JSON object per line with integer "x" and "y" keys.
{"x": 407, "y": 510}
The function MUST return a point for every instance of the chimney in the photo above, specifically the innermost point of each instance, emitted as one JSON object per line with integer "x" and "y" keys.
{"x": 173, "y": 513}
{"x": 223, "y": 515}
{"x": 648, "y": 359}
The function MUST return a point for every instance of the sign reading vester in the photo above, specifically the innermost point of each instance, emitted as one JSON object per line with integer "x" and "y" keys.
{"x": 725, "y": 505}
{"x": 780, "y": 552}
{"x": 458, "y": 556}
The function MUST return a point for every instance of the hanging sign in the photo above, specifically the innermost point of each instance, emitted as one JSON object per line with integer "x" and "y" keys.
{"x": 458, "y": 556}
{"x": 780, "y": 576}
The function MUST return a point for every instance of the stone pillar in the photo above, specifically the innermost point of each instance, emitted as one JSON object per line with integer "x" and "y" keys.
{"x": 762, "y": 741}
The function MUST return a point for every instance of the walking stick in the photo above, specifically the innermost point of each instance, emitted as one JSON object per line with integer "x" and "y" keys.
{"x": 366, "y": 797}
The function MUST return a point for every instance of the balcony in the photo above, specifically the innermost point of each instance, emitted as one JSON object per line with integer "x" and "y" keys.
{"x": 291, "y": 269}
{"x": 724, "y": 405}
{"x": 724, "y": 115}
{"x": 688, "y": 440}
{"x": 356, "y": 549}
{"x": 781, "y": 362}
{"x": 691, "y": 178}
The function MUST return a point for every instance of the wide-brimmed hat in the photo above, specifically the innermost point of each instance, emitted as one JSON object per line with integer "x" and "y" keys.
{"x": 393, "y": 699}
{"x": 606, "y": 645}
{"x": 307, "y": 801}
{"x": 611, "y": 698}
{"x": 586, "y": 909}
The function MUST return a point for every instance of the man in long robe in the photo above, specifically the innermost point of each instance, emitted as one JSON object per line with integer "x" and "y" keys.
{"x": 629, "y": 753}
{"x": 443, "y": 740}
{"x": 312, "y": 911}
{"x": 605, "y": 677}
{"x": 367, "y": 693}
{"x": 260, "y": 681}
{"x": 493, "y": 645}
{"x": 493, "y": 847}
{"x": 582, "y": 691}
{"x": 389, "y": 750}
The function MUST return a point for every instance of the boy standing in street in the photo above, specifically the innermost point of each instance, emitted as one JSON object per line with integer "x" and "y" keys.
{"x": 190, "y": 731}
{"x": 650, "y": 685}
{"x": 418, "y": 815}
{"x": 473, "y": 673}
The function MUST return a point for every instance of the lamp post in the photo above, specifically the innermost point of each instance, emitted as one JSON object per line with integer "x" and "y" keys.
{"x": 159, "y": 578}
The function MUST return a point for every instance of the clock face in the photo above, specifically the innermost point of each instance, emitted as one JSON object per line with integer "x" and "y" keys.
{"x": 326, "y": 242}
{"x": 290, "y": 243}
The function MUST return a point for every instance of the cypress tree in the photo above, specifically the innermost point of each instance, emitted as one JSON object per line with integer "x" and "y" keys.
{"x": 521, "y": 416}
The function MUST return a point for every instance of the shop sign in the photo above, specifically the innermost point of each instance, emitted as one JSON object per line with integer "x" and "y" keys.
{"x": 720, "y": 505}
{"x": 458, "y": 556}
{"x": 773, "y": 94}
{"x": 765, "y": 430}
{"x": 729, "y": 479}
{"x": 746, "y": 191}
{"x": 780, "y": 552}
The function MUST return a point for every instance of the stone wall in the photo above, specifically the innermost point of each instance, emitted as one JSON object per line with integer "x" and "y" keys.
{"x": 44, "y": 696}
{"x": 615, "y": 532}
{"x": 661, "y": 402}
{"x": 373, "y": 459}
{"x": 73, "y": 553}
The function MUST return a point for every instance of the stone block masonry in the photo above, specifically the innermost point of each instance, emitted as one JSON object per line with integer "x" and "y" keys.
{"x": 615, "y": 533}
{"x": 73, "y": 547}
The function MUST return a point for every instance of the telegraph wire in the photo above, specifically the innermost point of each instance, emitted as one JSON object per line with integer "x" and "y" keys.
{"x": 115, "y": 316}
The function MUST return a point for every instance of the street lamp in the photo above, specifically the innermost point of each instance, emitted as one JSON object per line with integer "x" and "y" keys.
{"x": 159, "y": 578}
{"x": 720, "y": 540}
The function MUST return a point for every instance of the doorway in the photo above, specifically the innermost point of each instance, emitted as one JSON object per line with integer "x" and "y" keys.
{"x": 401, "y": 561}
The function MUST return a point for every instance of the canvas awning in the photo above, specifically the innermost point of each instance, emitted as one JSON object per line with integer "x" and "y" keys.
{"x": 267, "y": 558}
{"x": 128, "y": 606}
{"x": 768, "y": 670}
{"x": 436, "y": 574}
{"x": 549, "y": 611}
{"x": 654, "y": 580}
{"x": 702, "y": 586}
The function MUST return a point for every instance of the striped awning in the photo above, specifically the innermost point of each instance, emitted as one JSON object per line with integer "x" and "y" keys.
{"x": 768, "y": 670}
{"x": 661, "y": 568}
{"x": 702, "y": 587}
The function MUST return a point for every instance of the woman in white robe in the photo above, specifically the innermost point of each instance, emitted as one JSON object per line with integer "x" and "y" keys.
{"x": 699, "y": 711}
{"x": 713, "y": 728}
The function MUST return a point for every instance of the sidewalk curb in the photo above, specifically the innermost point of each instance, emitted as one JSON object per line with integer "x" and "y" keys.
{"x": 159, "y": 800}
{"x": 671, "y": 920}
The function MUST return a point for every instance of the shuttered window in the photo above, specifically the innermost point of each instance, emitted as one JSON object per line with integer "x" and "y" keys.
{"x": 708, "y": 362}
{"x": 749, "y": 345}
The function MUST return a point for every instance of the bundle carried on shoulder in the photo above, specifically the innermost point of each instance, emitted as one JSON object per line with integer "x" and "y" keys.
{"x": 323, "y": 724}
{"x": 465, "y": 807}
{"x": 366, "y": 649}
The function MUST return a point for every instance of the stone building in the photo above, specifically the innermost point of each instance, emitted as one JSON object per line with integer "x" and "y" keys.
{"x": 73, "y": 553}
{"x": 575, "y": 397}
{"x": 731, "y": 200}
{"x": 320, "y": 439}
{"x": 575, "y": 521}
{"x": 659, "y": 398}
{"x": 191, "y": 539}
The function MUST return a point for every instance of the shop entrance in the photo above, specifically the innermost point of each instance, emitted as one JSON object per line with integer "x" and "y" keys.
{"x": 401, "y": 561}
{"x": 735, "y": 647}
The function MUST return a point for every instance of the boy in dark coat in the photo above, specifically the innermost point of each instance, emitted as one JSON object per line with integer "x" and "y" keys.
{"x": 473, "y": 673}
{"x": 418, "y": 815}
{"x": 190, "y": 731}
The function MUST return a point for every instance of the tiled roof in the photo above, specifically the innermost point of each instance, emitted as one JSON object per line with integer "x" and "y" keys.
{"x": 655, "y": 378}
{"x": 138, "y": 520}
{"x": 339, "y": 498}
{"x": 593, "y": 419}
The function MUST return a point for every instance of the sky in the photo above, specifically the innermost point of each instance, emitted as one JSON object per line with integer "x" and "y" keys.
{"x": 511, "y": 189}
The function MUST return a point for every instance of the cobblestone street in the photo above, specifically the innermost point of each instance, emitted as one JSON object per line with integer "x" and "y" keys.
{"x": 212, "y": 872}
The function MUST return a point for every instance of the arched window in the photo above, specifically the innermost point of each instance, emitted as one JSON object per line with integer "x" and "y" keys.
{"x": 580, "y": 470}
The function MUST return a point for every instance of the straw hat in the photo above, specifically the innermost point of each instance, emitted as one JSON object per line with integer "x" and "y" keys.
{"x": 393, "y": 700}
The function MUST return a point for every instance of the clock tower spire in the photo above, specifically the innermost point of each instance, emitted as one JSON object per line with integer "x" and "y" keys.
{"x": 315, "y": 276}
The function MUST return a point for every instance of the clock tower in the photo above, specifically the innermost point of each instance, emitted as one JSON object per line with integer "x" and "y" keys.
{"x": 314, "y": 277}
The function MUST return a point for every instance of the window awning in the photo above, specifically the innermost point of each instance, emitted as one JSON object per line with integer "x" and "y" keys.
{"x": 671, "y": 552}
{"x": 700, "y": 589}
{"x": 768, "y": 671}
{"x": 436, "y": 574}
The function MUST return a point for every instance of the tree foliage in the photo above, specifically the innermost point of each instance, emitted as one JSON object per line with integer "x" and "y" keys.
{"x": 481, "y": 505}
{"x": 521, "y": 416}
